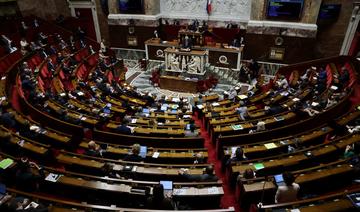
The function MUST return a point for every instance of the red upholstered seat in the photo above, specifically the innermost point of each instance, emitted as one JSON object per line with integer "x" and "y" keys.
{"x": 329, "y": 75}
{"x": 110, "y": 77}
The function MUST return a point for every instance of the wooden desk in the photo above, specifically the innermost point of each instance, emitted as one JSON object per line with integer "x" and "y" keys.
{"x": 26, "y": 144}
{"x": 49, "y": 134}
{"x": 178, "y": 84}
{"x": 325, "y": 174}
{"x": 61, "y": 205}
{"x": 299, "y": 157}
{"x": 259, "y": 150}
{"x": 166, "y": 155}
{"x": 139, "y": 170}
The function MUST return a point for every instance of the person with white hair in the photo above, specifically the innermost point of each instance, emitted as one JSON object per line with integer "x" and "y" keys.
{"x": 260, "y": 126}
{"x": 93, "y": 149}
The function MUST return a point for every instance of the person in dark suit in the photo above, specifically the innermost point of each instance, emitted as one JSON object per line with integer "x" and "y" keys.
{"x": 158, "y": 201}
{"x": 7, "y": 119}
{"x": 123, "y": 128}
{"x": 24, "y": 130}
{"x": 93, "y": 149}
{"x": 134, "y": 156}
{"x": 25, "y": 178}
{"x": 207, "y": 176}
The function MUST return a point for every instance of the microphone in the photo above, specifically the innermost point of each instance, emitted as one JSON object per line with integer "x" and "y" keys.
{"x": 259, "y": 205}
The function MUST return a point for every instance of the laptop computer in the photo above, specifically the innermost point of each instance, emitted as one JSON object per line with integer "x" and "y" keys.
{"x": 107, "y": 110}
{"x": 146, "y": 110}
{"x": 279, "y": 180}
{"x": 168, "y": 185}
{"x": 104, "y": 146}
{"x": 143, "y": 151}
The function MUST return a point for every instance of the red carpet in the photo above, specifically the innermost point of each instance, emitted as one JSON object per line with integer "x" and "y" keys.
{"x": 228, "y": 199}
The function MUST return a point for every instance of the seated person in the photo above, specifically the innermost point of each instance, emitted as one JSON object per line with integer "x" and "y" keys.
{"x": 260, "y": 126}
{"x": 207, "y": 176}
{"x": 289, "y": 191}
{"x": 24, "y": 130}
{"x": 158, "y": 109}
{"x": 344, "y": 77}
{"x": 158, "y": 200}
{"x": 20, "y": 203}
{"x": 349, "y": 151}
{"x": 108, "y": 170}
{"x": 282, "y": 83}
{"x": 242, "y": 111}
{"x": 93, "y": 149}
{"x": 134, "y": 156}
{"x": 238, "y": 156}
{"x": 192, "y": 132}
{"x": 307, "y": 107}
{"x": 355, "y": 128}
{"x": 25, "y": 178}
{"x": 123, "y": 128}
{"x": 7, "y": 119}
{"x": 199, "y": 158}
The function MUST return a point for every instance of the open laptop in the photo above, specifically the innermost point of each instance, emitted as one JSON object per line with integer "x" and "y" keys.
{"x": 143, "y": 151}
{"x": 168, "y": 185}
{"x": 146, "y": 110}
{"x": 279, "y": 180}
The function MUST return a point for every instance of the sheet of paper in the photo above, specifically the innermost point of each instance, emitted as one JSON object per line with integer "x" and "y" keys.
{"x": 333, "y": 87}
{"x": 179, "y": 192}
{"x": 237, "y": 127}
{"x": 6, "y": 163}
{"x": 156, "y": 154}
{"x": 242, "y": 96}
{"x": 213, "y": 190}
{"x": 259, "y": 166}
{"x": 270, "y": 145}
{"x": 53, "y": 177}
{"x": 32, "y": 205}
{"x": 279, "y": 118}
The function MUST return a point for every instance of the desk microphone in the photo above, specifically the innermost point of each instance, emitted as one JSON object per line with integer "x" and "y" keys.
{"x": 259, "y": 205}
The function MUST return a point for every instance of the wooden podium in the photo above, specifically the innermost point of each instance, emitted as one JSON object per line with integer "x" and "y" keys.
{"x": 178, "y": 84}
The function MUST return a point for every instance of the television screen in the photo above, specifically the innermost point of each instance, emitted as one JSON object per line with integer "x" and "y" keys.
{"x": 131, "y": 6}
{"x": 284, "y": 9}
{"x": 329, "y": 11}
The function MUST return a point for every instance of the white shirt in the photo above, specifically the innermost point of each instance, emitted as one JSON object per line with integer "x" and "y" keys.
{"x": 23, "y": 44}
{"x": 287, "y": 193}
